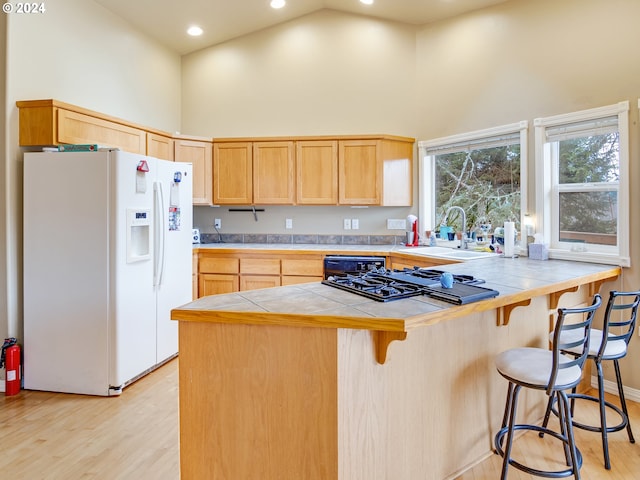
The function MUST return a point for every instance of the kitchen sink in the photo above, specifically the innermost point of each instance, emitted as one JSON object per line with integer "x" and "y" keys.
{"x": 445, "y": 252}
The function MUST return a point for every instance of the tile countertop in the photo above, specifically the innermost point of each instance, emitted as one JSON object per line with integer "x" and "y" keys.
{"x": 517, "y": 280}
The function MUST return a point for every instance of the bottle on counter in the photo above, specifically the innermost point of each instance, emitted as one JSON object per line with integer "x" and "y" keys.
{"x": 432, "y": 239}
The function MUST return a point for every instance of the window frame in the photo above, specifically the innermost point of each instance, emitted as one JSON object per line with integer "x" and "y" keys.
{"x": 427, "y": 167}
{"x": 547, "y": 186}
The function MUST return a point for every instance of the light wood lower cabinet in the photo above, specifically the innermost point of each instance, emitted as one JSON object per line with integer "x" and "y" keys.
{"x": 217, "y": 275}
{"x": 226, "y": 273}
{"x": 302, "y": 270}
{"x": 259, "y": 273}
{"x": 214, "y": 283}
{"x": 400, "y": 263}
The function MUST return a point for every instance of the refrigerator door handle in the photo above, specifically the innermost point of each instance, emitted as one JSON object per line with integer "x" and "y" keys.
{"x": 159, "y": 233}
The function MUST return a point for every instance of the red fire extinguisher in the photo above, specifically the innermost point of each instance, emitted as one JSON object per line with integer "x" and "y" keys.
{"x": 10, "y": 359}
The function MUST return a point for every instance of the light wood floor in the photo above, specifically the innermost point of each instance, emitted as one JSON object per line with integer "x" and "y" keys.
{"x": 51, "y": 436}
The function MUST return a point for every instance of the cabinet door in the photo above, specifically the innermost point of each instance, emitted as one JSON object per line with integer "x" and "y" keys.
{"x": 317, "y": 172}
{"x": 79, "y": 128}
{"x": 200, "y": 155}
{"x": 273, "y": 173}
{"x": 397, "y": 173}
{"x": 159, "y": 146}
{"x": 215, "y": 283}
{"x": 359, "y": 172}
{"x": 232, "y": 173}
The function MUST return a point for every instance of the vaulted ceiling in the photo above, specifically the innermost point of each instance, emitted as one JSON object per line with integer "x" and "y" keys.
{"x": 167, "y": 20}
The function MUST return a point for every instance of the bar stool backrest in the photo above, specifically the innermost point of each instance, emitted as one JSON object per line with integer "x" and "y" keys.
{"x": 623, "y": 306}
{"x": 576, "y": 322}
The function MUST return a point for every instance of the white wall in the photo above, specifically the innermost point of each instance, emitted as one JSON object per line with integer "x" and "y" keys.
{"x": 79, "y": 53}
{"x": 322, "y": 74}
{"x": 327, "y": 73}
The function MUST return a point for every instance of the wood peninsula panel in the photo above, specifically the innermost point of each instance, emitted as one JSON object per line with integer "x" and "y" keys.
{"x": 258, "y": 403}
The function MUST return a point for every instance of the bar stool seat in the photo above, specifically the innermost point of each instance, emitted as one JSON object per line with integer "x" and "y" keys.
{"x": 553, "y": 372}
{"x": 606, "y": 345}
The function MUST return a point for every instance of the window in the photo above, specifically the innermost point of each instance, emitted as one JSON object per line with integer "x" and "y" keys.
{"x": 483, "y": 172}
{"x": 582, "y": 188}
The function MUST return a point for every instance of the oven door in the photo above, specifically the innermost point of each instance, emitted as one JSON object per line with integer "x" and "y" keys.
{"x": 346, "y": 264}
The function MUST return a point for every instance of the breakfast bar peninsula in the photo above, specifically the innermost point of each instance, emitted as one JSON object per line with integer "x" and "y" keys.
{"x": 309, "y": 382}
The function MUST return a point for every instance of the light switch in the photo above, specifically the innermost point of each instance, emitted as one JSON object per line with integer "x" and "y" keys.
{"x": 347, "y": 224}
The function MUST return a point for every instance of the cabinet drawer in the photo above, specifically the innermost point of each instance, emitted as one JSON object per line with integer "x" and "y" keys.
{"x": 218, "y": 265}
{"x": 298, "y": 279}
{"x": 260, "y": 266}
{"x": 254, "y": 282}
{"x": 312, "y": 268}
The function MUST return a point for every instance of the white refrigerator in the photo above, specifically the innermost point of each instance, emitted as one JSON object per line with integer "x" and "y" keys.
{"x": 107, "y": 255}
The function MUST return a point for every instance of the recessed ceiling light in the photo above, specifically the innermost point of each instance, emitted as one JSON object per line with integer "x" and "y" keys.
{"x": 278, "y": 3}
{"x": 367, "y": 2}
{"x": 194, "y": 31}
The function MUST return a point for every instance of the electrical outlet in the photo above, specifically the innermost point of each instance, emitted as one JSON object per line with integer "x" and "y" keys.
{"x": 347, "y": 224}
{"x": 288, "y": 223}
{"x": 355, "y": 224}
{"x": 217, "y": 223}
{"x": 396, "y": 224}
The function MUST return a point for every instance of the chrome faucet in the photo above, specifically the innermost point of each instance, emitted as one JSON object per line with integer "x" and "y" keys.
{"x": 463, "y": 241}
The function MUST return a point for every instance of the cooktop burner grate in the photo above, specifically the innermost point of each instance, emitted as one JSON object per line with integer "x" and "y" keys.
{"x": 385, "y": 285}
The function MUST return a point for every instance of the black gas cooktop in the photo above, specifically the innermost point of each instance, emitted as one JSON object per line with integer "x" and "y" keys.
{"x": 384, "y": 285}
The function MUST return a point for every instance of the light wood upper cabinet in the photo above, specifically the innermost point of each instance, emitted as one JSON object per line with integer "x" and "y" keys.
{"x": 317, "y": 172}
{"x": 159, "y": 146}
{"x": 79, "y": 128}
{"x": 199, "y": 153}
{"x": 49, "y": 122}
{"x": 273, "y": 173}
{"x": 233, "y": 173}
{"x": 359, "y": 180}
{"x": 248, "y": 173}
{"x": 371, "y": 170}
{"x": 375, "y": 172}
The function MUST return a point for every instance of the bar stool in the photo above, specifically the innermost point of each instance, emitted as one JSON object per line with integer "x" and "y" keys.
{"x": 608, "y": 345}
{"x": 553, "y": 372}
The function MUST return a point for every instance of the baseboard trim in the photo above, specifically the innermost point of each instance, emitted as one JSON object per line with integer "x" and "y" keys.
{"x": 612, "y": 387}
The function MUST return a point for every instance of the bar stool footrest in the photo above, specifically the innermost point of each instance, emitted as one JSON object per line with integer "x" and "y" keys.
{"x": 532, "y": 471}
{"x": 592, "y": 428}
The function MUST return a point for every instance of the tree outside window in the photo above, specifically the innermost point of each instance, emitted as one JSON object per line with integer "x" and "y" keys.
{"x": 588, "y": 174}
{"x": 483, "y": 181}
